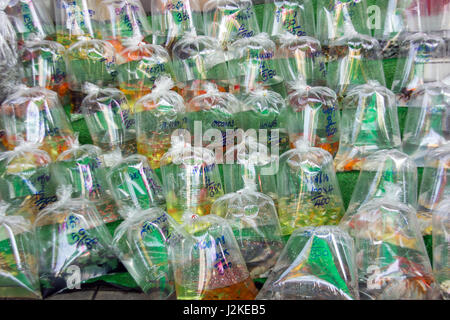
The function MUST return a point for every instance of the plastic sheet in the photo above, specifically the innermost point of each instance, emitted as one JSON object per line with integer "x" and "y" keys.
{"x": 254, "y": 221}
{"x": 158, "y": 115}
{"x": 294, "y": 17}
{"x": 313, "y": 115}
{"x": 141, "y": 243}
{"x": 19, "y": 278}
{"x": 25, "y": 180}
{"x": 378, "y": 172}
{"x": 441, "y": 232}
{"x": 427, "y": 122}
{"x": 135, "y": 185}
{"x": 35, "y": 115}
{"x": 109, "y": 119}
{"x": 229, "y": 20}
{"x": 316, "y": 264}
{"x": 390, "y": 252}
{"x": 434, "y": 187}
{"x": 369, "y": 123}
{"x": 74, "y": 245}
{"x": 208, "y": 264}
{"x": 308, "y": 191}
{"x": 191, "y": 179}
{"x": 418, "y": 63}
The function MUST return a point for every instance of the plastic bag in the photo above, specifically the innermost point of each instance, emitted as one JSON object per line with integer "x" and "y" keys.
{"x": 378, "y": 172}
{"x": 172, "y": 19}
{"x": 308, "y": 191}
{"x": 25, "y": 180}
{"x": 208, "y": 264}
{"x": 427, "y": 121}
{"x": 229, "y": 20}
{"x": 354, "y": 60}
{"x": 19, "y": 277}
{"x": 313, "y": 115}
{"x": 7, "y": 31}
{"x": 300, "y": 57}
{"x": 139, "y": 65}
{"x": 214, "y": 110}
{"x": 123, "y": 19}
{"x": 369, "y": 123}
{"x": 252, "y": 65}
{"x": 294, "y": 17}
{"x": 44, "y": 66}
{"x": 74, "y": 244}
{"x": 141, "y": 243}
{"x": 254, "y": 221}
{"x": 158, "y": 115}
{"x": 434, "y": 187}
{"x": 417, "y": 64}
{"x": 76, "y": 20}
{"x": 265, "y": 109}
{"x": 109, "y": 119}
{"x": 316, "y": 264}
{"x": 31, "y": 20}
{"x": 338, "y": 18}
{"x": 191, "y": 179}
{"x": 84, "y": 168}
{"x": 250, "y": 161}
{"x": 390, "y": 252}
{"x": 198, "y": 60}
{"x": 35, "y": 115}
{"x": 441, "y": 231}
{"x": 135, "y": 185}
{"x": 92, "y": 61}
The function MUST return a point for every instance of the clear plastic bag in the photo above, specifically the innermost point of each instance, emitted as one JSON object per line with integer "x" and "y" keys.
{"x": 254, "y": 221}
{"x": 316, "y": 264}
{"x": 338, "y": 18}
{"x": 214, "y": 110}
{"x": 123, "y": 19}
{"x": 109, "y": 119}
{"x": 252, "y": 64}
{"x": 43, "y": 65}
{"x": 378, "y": 172}
{"x": 141, "y": 243}
{"x": 390, "y": 253}
{"x": 74, "y": 244}
{"x": 434, "y": 187}
{"x": 76, "y": 20}
{"x": 158, "y": 115}
{"x": 92, "y": 61}
{"x": 198, "y": 60}
{"x": 9, "y": 69}
{"x": 139, "y": 65}
{"x": 208, "y": 264}
{"x": 84, "y": 168}
{"x": 7, "y": 31}
{"x": 25, "y": 180}
{"x": 172, "y": 19}
{"x": 31, "y": 20}
{"x": 300, "y": 57}
{"x": 417, "y": 64}
{"x": 229, "y": 20}
{"x": 266, "y": 109}
{"x": 191, "y": 179}
{"x": 427, "y": 121}
{"x": 441, "y": 232}
{"x": 294, "y": 17}
{"x": 308, "y": 191}
{"x": 134, "y": 184}
{"x": 19, "y": 277}
{"x": 369, "y": 123}
{"x": 354, "y": 60}
{"x": 313, "y": 114}
{"x": 35, "y": 115}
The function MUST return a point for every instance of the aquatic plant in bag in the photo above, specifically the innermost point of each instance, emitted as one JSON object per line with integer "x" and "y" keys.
{"x": 441, "y": 231}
